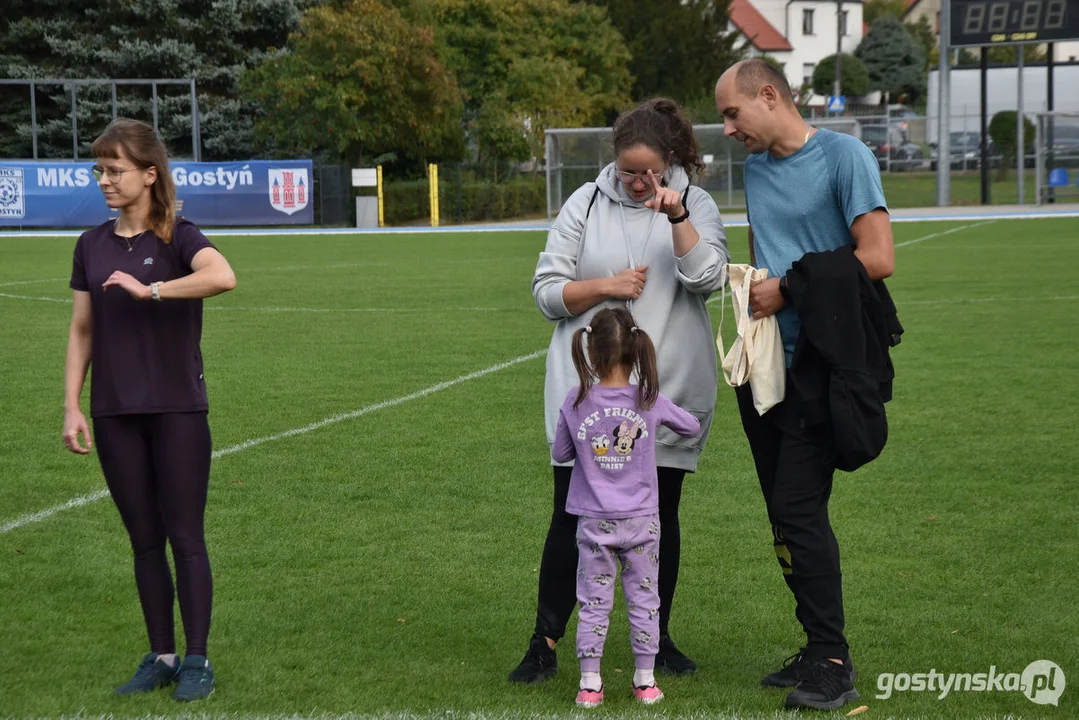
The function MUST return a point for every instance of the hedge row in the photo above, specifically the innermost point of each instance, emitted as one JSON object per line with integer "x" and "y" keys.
{"x": 407, "y": 201}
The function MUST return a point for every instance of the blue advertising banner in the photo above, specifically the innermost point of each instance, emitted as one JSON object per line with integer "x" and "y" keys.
{"x": 65, "y": 194}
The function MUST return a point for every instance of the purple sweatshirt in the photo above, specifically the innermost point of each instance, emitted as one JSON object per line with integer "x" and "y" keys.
{"x": 614, "y": 444}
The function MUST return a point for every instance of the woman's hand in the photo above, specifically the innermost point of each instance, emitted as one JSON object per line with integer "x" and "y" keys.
{"x": 665, "y": 200}
{"x": 74, "y": 425}
{"x": 628, "y": 284}
{"x": 134, "y": 288}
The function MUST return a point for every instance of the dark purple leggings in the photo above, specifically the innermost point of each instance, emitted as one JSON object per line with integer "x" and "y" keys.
{"x": 157, "y": 468}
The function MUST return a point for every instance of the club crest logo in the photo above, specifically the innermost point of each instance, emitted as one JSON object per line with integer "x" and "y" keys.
{"x": 12, "y": 193}
{"x": 290, "y": 189}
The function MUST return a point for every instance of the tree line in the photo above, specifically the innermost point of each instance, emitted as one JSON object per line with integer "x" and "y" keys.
{"x": 401, "y": 82}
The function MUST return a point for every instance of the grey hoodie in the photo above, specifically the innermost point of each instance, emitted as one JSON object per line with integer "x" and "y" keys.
{"x": 620, "y": 233}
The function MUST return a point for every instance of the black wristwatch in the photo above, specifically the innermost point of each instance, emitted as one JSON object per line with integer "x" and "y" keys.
{"x": 681, "y": 218}
{"x": 784, "y": 290}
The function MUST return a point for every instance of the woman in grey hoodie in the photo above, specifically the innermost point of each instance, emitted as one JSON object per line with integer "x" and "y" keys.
{"x": 639, "y": 236}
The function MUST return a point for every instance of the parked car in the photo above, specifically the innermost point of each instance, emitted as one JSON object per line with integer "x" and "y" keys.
{"x": 901, "y": 112}
{"x": 965, "y": 151}
{"x": 1065, "y": 142}
{"x": 892, "y": 148}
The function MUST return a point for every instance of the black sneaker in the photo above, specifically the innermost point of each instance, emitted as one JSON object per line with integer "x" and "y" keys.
{"x": 827, "y": 686}
{"x": 538, "y": 664}
{"x": 671, "y": 660}
{"x": 794, "y": 671}
{"x": 790, "y": 674}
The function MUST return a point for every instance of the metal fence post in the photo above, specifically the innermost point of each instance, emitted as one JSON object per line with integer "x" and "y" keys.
{"x": 1038, "y": 163}
{"x": 730, "y": 176}
{"x": 74, "y": 124}
{"x": 460, "y": 210}
{"x": 194, "y": 124}
{"x": 316, "y": 172}
{"x": 197, "y": 122}
{"x": 33, "y": 117}
{"x": 1020, "y": 137}
{"x": 548, "y": 157}
{"x": 153, "y": 96}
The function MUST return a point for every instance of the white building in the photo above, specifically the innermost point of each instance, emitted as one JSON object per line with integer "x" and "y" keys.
{"x": 797, "y": 33}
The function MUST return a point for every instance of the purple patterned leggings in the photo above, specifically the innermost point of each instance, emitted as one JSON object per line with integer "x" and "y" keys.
{"x": 603, "y": 545}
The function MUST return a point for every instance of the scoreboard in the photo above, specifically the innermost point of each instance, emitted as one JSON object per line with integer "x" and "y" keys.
{"x": 991, "y": 22}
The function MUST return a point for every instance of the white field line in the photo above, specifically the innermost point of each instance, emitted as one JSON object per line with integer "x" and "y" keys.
{"x": 332, "y": 266}
{"x": 85, "y": 499}
{"x": 33, "y": 282}
{"x": 11, "y": 296}
{"x": 975, "y": 213}
{"x": 942, "y": 233}
{"x": 35, "y": 517}
{"x": 286, "y": 309}
{"x": 954, "y": 301}
{"x": 243, "y": 308}
{"x": 444, "y": 714}
{"x": 717, "y": 297}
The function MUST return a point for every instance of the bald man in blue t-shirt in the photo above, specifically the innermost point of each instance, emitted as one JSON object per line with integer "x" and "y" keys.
{"x": 807, "y": 190}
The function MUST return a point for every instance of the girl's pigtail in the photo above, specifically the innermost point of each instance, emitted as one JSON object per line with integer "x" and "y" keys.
{"x": 580, "y": 361}
{"x": 647, "y": 374}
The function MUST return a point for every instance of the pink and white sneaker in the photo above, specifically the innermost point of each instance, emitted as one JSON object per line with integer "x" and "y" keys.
{"x": 648, "y": 695}
{"x": 590, "y": 698}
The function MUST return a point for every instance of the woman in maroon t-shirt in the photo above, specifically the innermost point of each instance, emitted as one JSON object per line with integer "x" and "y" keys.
{"x": 138, "y": 285}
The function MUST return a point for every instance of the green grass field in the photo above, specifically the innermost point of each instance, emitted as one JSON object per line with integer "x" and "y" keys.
{"x": 919, "y": 190}
{"x": 385, "y": 563}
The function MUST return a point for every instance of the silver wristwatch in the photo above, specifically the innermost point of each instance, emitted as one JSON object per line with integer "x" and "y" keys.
{"x": 155, "y": 291}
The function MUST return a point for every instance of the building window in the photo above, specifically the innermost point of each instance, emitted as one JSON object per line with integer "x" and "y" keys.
{"x": 807, "y": 22}
{"x": 843, "y": 24}
{"x": 807, "y": 73}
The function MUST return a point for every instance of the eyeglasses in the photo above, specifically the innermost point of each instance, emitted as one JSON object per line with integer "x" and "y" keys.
{"x": 628, "y": 178}
{"x": 114, "y": 175}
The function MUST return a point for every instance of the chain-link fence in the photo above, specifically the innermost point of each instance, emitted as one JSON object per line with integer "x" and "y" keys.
{"x": 903, "y": 143}
{"x": 58, "y": 118}
{"x": 1056, "y": 154}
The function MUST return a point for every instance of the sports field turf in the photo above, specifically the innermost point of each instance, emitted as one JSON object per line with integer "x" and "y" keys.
{"x": 384, "y": 563}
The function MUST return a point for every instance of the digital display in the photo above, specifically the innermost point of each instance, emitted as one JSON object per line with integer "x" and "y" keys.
{"x": 991, "y": 22}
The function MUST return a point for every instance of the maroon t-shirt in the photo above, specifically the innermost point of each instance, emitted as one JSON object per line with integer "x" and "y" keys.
{"x": 145, "y": 356}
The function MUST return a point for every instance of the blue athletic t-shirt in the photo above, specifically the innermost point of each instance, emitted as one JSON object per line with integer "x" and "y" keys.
{"x": 806, "y": 202}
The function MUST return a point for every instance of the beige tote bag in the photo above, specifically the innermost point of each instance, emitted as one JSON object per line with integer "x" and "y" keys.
{"x": 756, "y": 356}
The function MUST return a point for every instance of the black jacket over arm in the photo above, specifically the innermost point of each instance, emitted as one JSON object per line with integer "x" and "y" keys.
{"x": 841, "y": 367}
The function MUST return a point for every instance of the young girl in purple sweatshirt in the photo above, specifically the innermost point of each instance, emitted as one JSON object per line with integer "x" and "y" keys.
{"x": 609, "y": 429}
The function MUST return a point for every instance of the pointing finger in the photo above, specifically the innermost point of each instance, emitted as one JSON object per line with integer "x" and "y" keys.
{"x": 653, "y": 182}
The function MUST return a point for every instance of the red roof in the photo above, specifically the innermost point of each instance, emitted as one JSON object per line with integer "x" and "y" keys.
{"x": 760, "y": 32}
